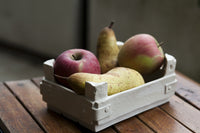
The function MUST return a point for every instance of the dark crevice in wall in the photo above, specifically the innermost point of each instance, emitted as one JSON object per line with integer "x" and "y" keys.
{"x": 198, "y": 3}
{"x": 85, "y": 10}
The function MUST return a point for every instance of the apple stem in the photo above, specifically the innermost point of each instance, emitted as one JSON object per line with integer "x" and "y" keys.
{"x": 161, "y": 44}
{"x": 74, "y": 57}
{"x": 111, "y": 24}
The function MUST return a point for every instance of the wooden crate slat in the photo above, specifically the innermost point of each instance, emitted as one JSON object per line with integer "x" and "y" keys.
{"x": 13, "y": 116}
{"x": 183, "y": 112}
{"x": 132, "y": 125}
{"x": 30, "y": 96}
{"x": 161, "y": 122}
{"x": 188, "y": 89}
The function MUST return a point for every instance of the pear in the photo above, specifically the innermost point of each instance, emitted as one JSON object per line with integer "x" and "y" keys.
{"x": 107, "y": 49}
{"x": 118, "y": 79}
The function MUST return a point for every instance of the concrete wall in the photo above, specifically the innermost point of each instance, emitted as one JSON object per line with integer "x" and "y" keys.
{"x": 46, "y": 26}
{"x": 50, "y": 27}
{"x": 175, "y": 22}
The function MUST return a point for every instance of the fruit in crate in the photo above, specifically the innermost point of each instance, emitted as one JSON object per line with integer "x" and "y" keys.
{"x": 107, "y": 49}
{"x": 120, "y": 44}
{"x": 118, "y": 79}
{"x": 73, "y": 61}
{"x": 141, "y": 52}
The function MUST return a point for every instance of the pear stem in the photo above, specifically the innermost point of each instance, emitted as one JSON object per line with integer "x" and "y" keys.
{"x": 111, "y": 24}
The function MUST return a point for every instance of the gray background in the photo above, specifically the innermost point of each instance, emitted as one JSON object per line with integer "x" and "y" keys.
{"x": 175, "y": 22}
{"x": 49, "y": 27}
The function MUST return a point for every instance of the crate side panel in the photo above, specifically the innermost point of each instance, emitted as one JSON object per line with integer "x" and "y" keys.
{"x": 67, "y": 102}
{"x": 137, "y": 98}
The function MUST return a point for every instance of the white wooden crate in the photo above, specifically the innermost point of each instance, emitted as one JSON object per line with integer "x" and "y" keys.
{"x": 96, "y": 110}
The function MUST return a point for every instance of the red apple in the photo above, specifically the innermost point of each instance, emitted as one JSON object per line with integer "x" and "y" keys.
{"x": 73, "y": 61}
{"x": 141, "y": 52}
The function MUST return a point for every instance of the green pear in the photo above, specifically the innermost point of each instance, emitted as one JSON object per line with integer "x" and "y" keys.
{"x": 118, "y": 79}
{"x": 107, "y": 49}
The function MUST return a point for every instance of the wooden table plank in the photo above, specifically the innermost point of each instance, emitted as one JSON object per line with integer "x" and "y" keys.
{"x": 159, "y": 119}
{"x": 30, "y": 96}
{"x": 107, "y": 130}
{"x": 37, "y": 80}
{"x": 160, "y": 122}
{"x": 132, "y": 125}
{"x": 184, "y": 113}
{"x": 13, "y": 117}
{"x": 188, "y": 90}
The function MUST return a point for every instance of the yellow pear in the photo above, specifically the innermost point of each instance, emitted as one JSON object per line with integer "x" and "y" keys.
{"x": 107, "y": 49}
{"x": 118, "y": 79}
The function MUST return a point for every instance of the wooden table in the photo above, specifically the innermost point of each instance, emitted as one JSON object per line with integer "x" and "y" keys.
{"x": 23, "y": 111}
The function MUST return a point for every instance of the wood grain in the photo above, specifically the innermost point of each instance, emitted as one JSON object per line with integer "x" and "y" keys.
{"x": 188, "y": 89}
{"x": 132, "y": 125}
{"x": 107, "y": 130}
{"x": 160, "y": 122}
{"x": 30, "y": 96}
{"x": 184, "y": 113}
{"x": 14, "y": 118}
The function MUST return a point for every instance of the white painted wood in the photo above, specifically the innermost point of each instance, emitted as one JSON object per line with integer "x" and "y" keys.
{"x": 171, "y": 64}
{"x": 96, "y": 110}
{"x": 48, "y": 70}
{"x": 95, "y": 91}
